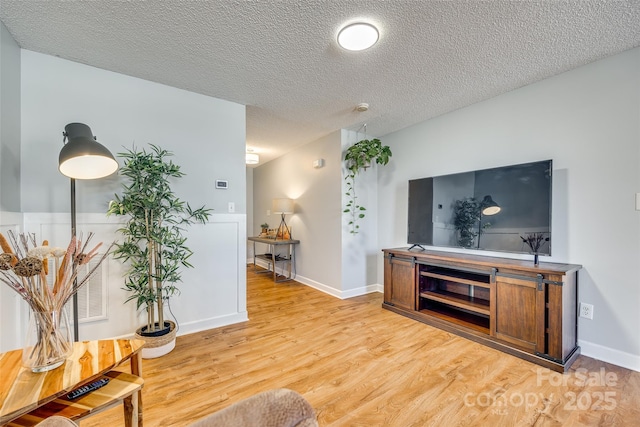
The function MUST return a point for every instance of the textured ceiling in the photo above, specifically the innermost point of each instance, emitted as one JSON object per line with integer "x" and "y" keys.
{"x": 280, "y": 58}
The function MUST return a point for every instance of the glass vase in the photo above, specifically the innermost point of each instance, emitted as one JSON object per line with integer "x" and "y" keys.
{"x": 48, "y": 340}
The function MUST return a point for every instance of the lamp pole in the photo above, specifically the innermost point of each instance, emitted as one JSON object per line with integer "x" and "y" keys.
{"x": 76, "y": 329}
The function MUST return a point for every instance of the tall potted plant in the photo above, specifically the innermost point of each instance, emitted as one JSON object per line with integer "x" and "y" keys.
{"x": 153, "y": 244}
{"x": 467, "y": 214}
{"x": 358, "y": 158}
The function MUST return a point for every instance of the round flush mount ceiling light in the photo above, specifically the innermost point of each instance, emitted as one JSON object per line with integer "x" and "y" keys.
{"x": 358, "y": 36}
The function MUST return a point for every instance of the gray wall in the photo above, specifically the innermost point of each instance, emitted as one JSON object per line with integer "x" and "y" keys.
{"x": 9, "y": 173}
{"x": 207, "y": 135}
{"x": 9, "y": 122}
{"x": 586, "y": 120}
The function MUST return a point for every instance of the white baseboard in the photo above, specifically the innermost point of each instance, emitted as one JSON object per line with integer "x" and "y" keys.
{"x": 609, "y": 355}
{"x": 376, "y": 287}
{"x": 201, "y": 325}
{"x": 214, "y": 322}
{"x": 324, "y": 288}
{"x": 338, "y": 293}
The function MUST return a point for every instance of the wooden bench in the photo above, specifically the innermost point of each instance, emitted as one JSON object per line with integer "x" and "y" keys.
{"x": 122, "y": 388}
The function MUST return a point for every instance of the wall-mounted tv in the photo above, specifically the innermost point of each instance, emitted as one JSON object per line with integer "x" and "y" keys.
{"x": 497, "y": 209}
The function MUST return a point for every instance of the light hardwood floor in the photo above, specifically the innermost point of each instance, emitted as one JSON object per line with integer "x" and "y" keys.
{"x": 360, "y": 365}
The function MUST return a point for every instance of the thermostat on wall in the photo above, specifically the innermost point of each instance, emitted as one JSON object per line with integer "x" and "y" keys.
{"x": 222, "y": 184}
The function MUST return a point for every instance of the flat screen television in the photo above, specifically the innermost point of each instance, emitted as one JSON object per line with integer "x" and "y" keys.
{"x": 497, "y": 209}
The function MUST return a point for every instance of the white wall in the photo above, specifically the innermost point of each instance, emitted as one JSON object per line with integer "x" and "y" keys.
{"x": 318, "y": 210}
{"x": 207, "y": 136}
{"x": 586, "y": 120}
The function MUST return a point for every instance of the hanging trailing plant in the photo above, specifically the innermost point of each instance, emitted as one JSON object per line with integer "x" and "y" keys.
{"x": 358, "y": 158}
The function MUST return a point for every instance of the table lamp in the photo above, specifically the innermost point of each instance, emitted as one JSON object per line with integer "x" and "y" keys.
{"x": 283, "y": 206}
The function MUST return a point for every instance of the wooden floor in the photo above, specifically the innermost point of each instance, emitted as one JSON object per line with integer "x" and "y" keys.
{"x": 360, "y": 365}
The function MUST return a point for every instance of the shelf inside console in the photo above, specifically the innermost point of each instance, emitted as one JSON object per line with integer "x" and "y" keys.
{"x": 468, "y": 278}
{"x": 476, "y": 305}
{"x": 459, "y": 317}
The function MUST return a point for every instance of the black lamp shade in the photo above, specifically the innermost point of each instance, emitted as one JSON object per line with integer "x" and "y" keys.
{"x": 82, "y": 157}
{"x": 489, "y": 207}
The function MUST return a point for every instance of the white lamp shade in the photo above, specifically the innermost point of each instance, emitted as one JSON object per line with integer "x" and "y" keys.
{"x": 282, "y": 206}
{"x": 489, "y": 207}
{"x": 491, "y": 210}
{"x": 82, "y": 157}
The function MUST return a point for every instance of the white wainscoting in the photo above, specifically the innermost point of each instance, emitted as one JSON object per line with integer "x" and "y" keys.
{"x": 13, "y": 317}
{"x": 213, "y": 293}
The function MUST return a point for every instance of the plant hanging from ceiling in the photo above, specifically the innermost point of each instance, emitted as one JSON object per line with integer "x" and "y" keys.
{"x": 357, "y": 159}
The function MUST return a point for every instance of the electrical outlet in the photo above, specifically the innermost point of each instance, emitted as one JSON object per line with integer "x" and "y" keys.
{"x": 586, "y": 310}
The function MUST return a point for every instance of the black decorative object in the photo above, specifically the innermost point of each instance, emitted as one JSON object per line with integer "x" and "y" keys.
{"x": 535, "y": 242}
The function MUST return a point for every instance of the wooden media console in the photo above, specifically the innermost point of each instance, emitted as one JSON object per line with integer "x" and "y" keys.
{"x": 515, "y": 306}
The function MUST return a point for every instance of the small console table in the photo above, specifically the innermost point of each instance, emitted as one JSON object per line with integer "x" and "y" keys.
{"x": 273, "y": 259}
{"x": 26, "y": 397}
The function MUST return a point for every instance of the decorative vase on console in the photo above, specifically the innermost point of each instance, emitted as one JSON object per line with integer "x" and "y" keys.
{"x": 24, "y": 267}
{"x": 48, "y": 341}
{"x": 535, "y": 242}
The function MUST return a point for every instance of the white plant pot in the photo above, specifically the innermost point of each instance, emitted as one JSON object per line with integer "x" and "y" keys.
{"x": 153, "y": 352}
{"x": 159, "y": 345}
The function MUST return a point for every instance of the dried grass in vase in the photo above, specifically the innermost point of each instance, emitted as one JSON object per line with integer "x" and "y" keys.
{"x": 24, "y": 268}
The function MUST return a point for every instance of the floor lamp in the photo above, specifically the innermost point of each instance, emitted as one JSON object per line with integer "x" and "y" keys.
{"x": 487, "y": 208}
{"x": 82, "y": 157}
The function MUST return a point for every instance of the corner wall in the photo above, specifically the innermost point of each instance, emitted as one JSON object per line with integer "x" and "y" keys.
{"x": 9, "y": 122}
{"x": 318, "y": 210}
{"x": 360, "y": 250}
{"x": 588, "y": 121}
{"x": 10, "y": 218}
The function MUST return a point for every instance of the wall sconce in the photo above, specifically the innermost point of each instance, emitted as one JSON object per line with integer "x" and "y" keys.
{"x": 282, "y": 206}
{"x": 82, "y": 157}
{"x": 251, "y": 158}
